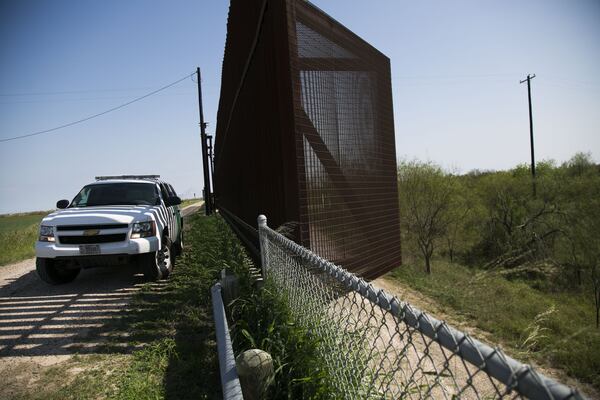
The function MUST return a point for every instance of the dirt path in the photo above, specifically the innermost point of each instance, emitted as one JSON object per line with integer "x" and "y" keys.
{"x": 192, "y": 208}
{"x": 43, "y": 325}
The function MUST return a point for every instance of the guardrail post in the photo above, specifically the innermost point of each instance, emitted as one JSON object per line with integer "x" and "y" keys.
{"x": 262, "y": 223}
{"x": 255, "y": 368}
{"x": 230, "y": 287}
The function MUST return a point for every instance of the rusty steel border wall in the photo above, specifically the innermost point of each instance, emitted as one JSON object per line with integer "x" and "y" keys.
{"x": 305, "y": 134}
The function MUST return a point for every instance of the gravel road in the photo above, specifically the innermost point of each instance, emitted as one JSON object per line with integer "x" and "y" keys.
{"x": 45, "y": 324}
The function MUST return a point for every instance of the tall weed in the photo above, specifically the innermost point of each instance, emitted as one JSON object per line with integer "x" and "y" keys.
{"x": 17, "y": 245}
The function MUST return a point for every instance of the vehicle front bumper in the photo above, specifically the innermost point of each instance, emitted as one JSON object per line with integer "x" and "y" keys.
{"x": 130, "y": 247}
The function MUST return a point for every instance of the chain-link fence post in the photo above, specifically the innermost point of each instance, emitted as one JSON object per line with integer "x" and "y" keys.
{"x": 263, "y": 242}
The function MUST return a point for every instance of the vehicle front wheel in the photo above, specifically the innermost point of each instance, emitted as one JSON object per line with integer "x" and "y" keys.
{"x": 165, "y": 258}
{"x": 50, "y": 273}
{"x": 158, "y": 265}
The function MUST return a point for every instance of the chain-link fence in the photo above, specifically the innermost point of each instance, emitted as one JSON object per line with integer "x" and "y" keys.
{"x": 376, "y": 346}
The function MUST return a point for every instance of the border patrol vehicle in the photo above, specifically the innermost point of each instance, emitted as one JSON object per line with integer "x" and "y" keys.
{"x": 115, "y": 220}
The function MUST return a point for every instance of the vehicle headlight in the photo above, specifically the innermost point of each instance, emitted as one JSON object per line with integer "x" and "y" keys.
{"x": 143, "y": 229}
{"x": 46, "y": 233}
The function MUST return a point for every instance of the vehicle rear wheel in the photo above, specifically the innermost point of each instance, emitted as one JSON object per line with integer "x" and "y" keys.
{"x": 53, "y": 274}
{"x": 178, "y": 245}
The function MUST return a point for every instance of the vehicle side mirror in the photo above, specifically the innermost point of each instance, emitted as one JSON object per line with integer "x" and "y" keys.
{"x": 62, "y": 204}
{"x": 174, "y": 201}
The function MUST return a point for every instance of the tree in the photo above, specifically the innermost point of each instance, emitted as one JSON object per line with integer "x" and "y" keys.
{"x": 583, "y": 230}
{"x": 519, "y": 231}
{"x": 425, "y": 194}
{"x": 464, "y": 218}
{"x": 580, "y": 164}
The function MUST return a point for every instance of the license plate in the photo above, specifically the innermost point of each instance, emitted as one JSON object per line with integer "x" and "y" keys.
{"x": 89, "y": 249}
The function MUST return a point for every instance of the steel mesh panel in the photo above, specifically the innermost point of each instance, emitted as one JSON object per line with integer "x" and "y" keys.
{"x": 305, "y": 133}
{"x": 344, "y": 117}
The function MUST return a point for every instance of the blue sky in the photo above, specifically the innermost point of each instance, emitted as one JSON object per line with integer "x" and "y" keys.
{"x": 456, "y": 68}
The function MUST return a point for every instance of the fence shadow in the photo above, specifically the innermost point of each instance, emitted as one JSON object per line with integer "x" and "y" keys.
{"x": 37, "y": 319}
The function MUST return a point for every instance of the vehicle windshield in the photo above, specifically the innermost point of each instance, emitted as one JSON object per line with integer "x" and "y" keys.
{"x": 111, "y": 194}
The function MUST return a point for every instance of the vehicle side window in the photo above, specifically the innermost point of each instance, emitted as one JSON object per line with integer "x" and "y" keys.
{"x": 157, "y": 194}
{"x": 173, "y": 193}
{"x": 82, "y": 198}
{"x": 164, "y": 193}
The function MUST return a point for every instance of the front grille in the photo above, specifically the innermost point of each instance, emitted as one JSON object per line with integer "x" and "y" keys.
{"x": 118, "y": 237}
{"x": 86, "y": 227}
{"x": 105, "y": 260}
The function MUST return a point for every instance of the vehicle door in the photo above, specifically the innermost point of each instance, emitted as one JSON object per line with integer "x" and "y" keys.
{"x": 178, "y": 219}
{"x": 167, "y": 212}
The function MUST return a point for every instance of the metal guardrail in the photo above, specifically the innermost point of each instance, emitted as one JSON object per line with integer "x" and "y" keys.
{"x": 377, "y": 346}
{"x": 230, "y": 382}
{"x": 246, "y": 233}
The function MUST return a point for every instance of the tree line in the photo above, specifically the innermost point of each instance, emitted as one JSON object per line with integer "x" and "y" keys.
{"x": 491, "y": 220}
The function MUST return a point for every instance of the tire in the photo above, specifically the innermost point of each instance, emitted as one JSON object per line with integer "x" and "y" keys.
{"x": 150, "y": 268}
{"x": 158, "y": 265}
{"x": 178, "y": 245}
{"x": 50, "y": 273}
{"x": 165, "y": 258}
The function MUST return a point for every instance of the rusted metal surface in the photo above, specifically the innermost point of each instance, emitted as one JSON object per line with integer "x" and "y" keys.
{"x": 305, "y": 133}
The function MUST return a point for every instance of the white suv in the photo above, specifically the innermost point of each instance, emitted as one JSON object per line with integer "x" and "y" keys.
{"x": 113, "y": 221}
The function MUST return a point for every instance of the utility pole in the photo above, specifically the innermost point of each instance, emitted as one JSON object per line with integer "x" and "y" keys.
{"x": 528, "y": 80}
{"x": 211, "y": 157}
{"x": 208, "y": 206}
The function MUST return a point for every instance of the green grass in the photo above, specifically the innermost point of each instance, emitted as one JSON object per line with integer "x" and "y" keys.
{"x": 262, "y": 320}
{"x": 18, "y": 233}
{"x": 15, "y": 222}
{"x": 564, "y": 337}
{"x": 175, "y": 321}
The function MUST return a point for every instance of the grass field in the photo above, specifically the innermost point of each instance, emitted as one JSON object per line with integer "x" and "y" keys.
{"x": 18, "y": 233}
{"x": 15, "y": 222}
{"x": 556, "y": 328}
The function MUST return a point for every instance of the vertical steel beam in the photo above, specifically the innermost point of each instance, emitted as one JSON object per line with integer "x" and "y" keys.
{"x": 207, "y": 193}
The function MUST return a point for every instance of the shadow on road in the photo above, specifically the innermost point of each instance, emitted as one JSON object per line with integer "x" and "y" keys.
{"x": 37, "y": 319}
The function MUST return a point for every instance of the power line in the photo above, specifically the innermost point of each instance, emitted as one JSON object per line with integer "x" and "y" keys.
{"x": 63, "y": 92}
{"x": 77, "y": 99}
{"x": 99, "y": 114}
{"x": 462, "y": 76}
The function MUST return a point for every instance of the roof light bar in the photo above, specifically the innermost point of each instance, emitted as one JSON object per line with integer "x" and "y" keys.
{"x": 105, "y": 178}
